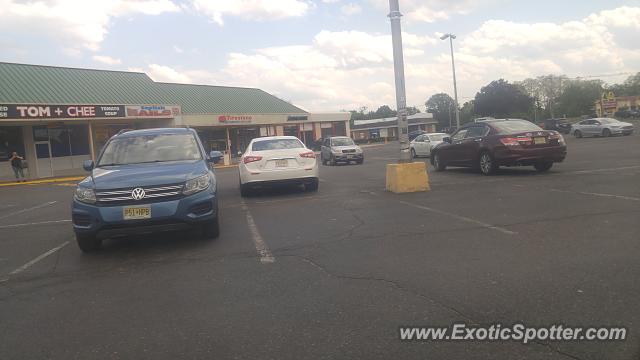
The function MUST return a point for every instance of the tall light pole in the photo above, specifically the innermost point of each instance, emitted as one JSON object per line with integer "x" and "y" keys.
{"x": 455, "y": 85}
{"x": 398, "y": 66}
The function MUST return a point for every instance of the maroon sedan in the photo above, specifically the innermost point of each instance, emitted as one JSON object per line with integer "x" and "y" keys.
{"x": 490, "y": 144}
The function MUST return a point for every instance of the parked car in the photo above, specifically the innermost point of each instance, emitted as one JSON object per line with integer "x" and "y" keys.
{"x": 146, "y": 181}
{"x": 601, "y": 127}
{"x": 423, "y": 144}
{"x": 340, "y": 149}
{"x": 628, "y": 113}
{"x": 277, "y": 160}
{"x": 561, "y": 125}
{"x": 415, "y": 134}
{"x": 490, "y": 144}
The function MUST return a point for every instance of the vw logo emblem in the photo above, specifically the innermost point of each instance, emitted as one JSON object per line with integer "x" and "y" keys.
{"x": 138, "y": 194}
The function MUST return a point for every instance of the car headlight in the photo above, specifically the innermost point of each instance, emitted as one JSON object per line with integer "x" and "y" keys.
{"x": 358, "y": 149}
{"x": 196, "y": 185}
{"x": 85, "y": 195}
{"x": 336, "y": 151}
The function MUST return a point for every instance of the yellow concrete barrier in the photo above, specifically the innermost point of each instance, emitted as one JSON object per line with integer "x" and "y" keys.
{"x": 407, "y": 177}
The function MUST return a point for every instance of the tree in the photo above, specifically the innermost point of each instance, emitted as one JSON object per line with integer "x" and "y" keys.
{"x": 578, "y": 97}
{"x": 412, "y": 110}
{"x": 384, "y": 111}
{"x": 467, "y": 113}
{"x": 545, "y": 90}
{"x": 502, "y": 100}
{"x": 442, "y": 107}
{"x": 630, "y": 87}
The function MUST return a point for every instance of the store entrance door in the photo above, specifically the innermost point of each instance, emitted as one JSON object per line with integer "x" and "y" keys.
{"x": 43, "y": 156}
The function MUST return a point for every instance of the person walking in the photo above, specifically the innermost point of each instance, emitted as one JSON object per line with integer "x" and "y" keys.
{"x": 16, "y": 165}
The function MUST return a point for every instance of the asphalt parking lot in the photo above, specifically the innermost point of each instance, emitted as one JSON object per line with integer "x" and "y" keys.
{"x": 333, "y": 274}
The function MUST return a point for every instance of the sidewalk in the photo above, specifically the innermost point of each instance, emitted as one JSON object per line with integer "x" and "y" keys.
{"x": 72, "y": 178}
{"x": 42, "y": 181}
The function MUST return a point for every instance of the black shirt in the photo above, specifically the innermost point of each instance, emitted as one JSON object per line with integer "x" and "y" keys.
{"x": 16, "y": 162}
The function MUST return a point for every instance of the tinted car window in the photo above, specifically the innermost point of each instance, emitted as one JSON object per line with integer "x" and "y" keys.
{"x": 476, "y": 131}
{"x": 459, "y": 135}
{"x": 514, "y": 126}
{"x": 276, "y": 144}
{"x": 150, "y": 148}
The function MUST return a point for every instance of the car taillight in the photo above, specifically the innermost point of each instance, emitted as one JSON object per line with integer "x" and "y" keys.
{"x": 557, "y": 136}
{"x": 515, "y": 141}
{"x": 251, "y": 158}
{"x": 308, "y": 155}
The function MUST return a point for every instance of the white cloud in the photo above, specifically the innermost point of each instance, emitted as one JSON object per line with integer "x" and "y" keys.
{"x": 164, "y": 73}
{"x": 252, "y": 9}
{"x": 433, "y": 10}
{"x": 349, "y": 69}
{"x": 178, "y": 49}
{"x": 79, "y": 22}
{"x": 107, "y": 59}
{"x": 351, "y": 9}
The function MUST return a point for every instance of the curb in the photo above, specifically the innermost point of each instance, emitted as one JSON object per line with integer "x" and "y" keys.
{"x": 43, "y": 181}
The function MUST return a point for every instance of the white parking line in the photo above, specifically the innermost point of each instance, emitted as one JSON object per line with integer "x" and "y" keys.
{"x": 460, "y": 217}
{"x": 28, "y": 209}
{"x": 601, "y": 170}
{"x": 30, "y": 263}
{"x": 261, "y": 247}
{"x": 622, "y": 197}
{"x": 34, "y": 223}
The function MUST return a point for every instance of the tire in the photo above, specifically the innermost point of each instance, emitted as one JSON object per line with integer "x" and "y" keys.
{"x": 88, "y": 243}
{"x": 606, "y": 132}
{"x": 360, "y": 162}
{"x": 245, "y": 190}
{"x": 312, "y": 186}
{"x": 211, "y": 229}
{"x": 577, "y": 134}
{"x": 332, "y": 161}
{"x": 543, "y": 166}
{"x": 413, "y": 154}
{"x": 437, "y": 163}
{"x": 487, "y": 164}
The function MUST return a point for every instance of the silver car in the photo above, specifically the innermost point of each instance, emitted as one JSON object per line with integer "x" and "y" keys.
{"x": 423, "y": 144}
{"x": 340, "y": 149}
{"x": 601, "y": 127}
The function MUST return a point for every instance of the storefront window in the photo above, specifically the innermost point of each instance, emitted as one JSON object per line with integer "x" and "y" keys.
{"x": 66, "y": 140}
{"x": 10, "y": 141}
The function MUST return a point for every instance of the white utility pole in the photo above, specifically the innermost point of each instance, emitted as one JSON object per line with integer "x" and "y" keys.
{"x": 455, "y": 85}
{"x": 398, "y": 66}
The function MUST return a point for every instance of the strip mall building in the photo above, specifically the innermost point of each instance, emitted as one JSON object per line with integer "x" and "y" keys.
{"x": 57, "y": 117}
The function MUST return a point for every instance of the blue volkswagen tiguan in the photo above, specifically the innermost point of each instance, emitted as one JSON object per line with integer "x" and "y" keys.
{"x": 146, "y": 181}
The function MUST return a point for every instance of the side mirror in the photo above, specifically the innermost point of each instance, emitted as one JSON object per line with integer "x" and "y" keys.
{"x": 88, "y": 165}
{"x": 447, "y": 139}
{"x": 215, "y": 156}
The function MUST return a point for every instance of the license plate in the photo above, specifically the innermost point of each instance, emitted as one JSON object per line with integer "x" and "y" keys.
{"x": 282, "y": 163}
{"x": 539, "y": 140}
{"x": 137, "y": 212}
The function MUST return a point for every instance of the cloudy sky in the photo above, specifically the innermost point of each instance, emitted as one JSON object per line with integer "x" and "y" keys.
{"x": 327, "y": 55}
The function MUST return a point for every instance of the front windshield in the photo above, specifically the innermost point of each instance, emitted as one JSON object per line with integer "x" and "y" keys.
{"x": 341, "y": 142}
{"x": 437, "y": 137}
{"x": 514, "y": 126}
{"x": 150, "y": 148}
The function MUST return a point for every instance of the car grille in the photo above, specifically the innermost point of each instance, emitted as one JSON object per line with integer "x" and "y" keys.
{"x": 348, "y": 151}
{"x": 152, "y": 194}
